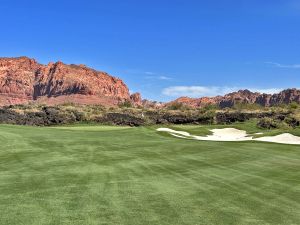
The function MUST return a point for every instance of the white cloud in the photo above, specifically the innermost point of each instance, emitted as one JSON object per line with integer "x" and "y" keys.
{"x": 203, "y": 91}
{"x": 192, "y": 91}
{"x": 266, "y": 91}
{"x": 164, "y": 78}
{"x": 288, "y": 66}
{"x": 149, "y": 73}
{"x": 159, "y": 77}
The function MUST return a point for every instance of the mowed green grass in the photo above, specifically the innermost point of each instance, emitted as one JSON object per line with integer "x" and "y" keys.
{"x": 104, "y": 175}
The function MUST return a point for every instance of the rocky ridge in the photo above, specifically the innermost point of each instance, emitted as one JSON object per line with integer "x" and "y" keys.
{"x": 23, "y": 80}
{"x": 243, "y": 97}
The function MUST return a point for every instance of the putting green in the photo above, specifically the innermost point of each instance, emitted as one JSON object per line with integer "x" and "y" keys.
{"x": 136, "y": 176}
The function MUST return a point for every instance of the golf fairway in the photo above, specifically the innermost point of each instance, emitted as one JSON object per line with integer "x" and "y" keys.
{"x": 86, "y": 175}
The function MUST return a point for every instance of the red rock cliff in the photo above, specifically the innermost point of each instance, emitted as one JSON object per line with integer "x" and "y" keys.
{"x": 23, "y": 80}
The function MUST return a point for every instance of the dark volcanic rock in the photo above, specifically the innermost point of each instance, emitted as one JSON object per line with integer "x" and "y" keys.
{"x": 232, "y": 117}
{"x": 121, "y": 119}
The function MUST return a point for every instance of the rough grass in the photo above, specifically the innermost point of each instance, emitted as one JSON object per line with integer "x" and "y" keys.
{"x": 102, "y": 175}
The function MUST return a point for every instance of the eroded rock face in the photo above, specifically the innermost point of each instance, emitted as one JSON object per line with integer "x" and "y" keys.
{"x": 136, "y": 99}
{"x": 196, "y": 102}
{"x": 263, "y": 99}
{"x": 285, "y": 97}
{"x": 243, "y": 97}
{"x": 148, "y": 104}
{"x": 17, "y": 76}
{"x": 23, "y": 80}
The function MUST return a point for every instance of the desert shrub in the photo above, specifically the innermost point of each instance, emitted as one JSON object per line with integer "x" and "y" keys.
{"x": 177, "y": 106}
{"x": 280, "y": 117}
{"x": 206, "y": 118}
{"x": 9, "y": 116}
{"x": 93, "y": 108}
{"x": 293, "y": 106}
{"x": 292, "y": 121}
{"x": 267, "y": 123}
{"x": 209, "y": 108}
{"x": 125, "y": 104}
{"x": 247, "y": 106}
{"x": 66, "y": 104}
{"x": 98, "y": 107}
{"x": 154, "y": 117}
{"x": 270, "y": 123}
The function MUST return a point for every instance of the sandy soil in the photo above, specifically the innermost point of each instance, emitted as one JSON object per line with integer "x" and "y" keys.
{"x": 232, "y": 134}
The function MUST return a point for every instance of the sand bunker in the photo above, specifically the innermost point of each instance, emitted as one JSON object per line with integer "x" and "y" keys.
{"x": 285, "y": 138}
{"x": 232, "y": 134}
{"x": 226, "y": 134}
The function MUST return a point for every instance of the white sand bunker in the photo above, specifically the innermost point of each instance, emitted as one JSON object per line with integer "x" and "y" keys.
{"x": 226, "y": 134}
{"x": 232, "y": 134}
{"x": 285, "y": 138}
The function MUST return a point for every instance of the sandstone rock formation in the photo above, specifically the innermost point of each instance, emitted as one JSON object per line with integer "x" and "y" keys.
{"x": 196, "y": 102}
{"x": 136, "y": 99}
{"x": 17, "y": 77}
{"x": 243, "y": 97}
{"x": 285, "y": 97}
{"x": 23, "y": 80}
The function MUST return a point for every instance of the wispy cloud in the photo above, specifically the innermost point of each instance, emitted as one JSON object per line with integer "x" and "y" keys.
{"x": 149, "y": 73}
{"x": 288, "y": 66}
{"x": 201, "y": 91}
{"x": 164, "y": 78}
{"x": 156, "y": 76}
{"x": 159, "y": 77}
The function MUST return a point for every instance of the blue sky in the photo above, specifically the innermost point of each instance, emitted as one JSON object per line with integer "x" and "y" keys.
{"x": 163, "y": 48}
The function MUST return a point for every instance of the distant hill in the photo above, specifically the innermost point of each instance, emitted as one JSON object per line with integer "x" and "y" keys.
{"x": 243, "y": 97}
